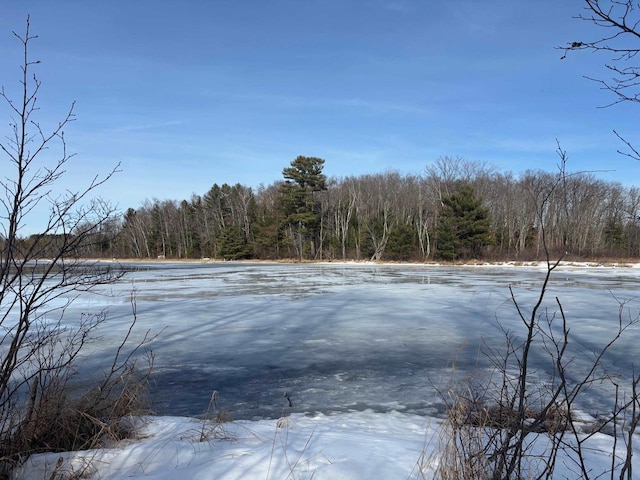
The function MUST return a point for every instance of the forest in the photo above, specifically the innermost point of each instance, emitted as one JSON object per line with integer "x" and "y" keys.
{"x": 455, "y": 210}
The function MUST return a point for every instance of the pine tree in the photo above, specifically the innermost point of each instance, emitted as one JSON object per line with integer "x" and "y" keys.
{"x": 301, "y": 208}
{"x": 402, "y": 243}
{"x": 233, "y": 245}
{"x": 464, "y": 227}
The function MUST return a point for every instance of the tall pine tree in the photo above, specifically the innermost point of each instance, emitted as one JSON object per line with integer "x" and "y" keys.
{"x": 300, "y": 205}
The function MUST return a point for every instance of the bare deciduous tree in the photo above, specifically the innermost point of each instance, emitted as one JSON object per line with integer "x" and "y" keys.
{"x": 40, "y": 275}
{"x": 513, "y": 425}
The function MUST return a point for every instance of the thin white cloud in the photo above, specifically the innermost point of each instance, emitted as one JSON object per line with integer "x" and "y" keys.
{"x": 289, "y": 101}
{"x": 146, "y": 126}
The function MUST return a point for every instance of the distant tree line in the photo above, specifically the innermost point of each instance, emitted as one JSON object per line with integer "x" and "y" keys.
{"x": 455, "y": 210}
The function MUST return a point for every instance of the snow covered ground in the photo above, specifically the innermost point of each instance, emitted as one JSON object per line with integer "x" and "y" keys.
{"x": 358, "y": 445}
{"x": 359, "y": 349}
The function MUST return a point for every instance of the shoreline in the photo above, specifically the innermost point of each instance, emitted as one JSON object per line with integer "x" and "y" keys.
{"x": 507, "y": 263}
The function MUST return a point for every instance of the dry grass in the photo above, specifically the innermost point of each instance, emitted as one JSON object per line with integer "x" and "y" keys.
{"x": 212, "y": 426}
{"x": 465, "y": 413}
{"x": 63, "y": 420}
{"x": 471, "y": 437}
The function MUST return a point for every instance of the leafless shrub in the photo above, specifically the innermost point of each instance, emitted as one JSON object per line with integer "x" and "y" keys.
{"x": 63, "y": 421}
{"x": 514, "y": 426}
{"x": 58, "y": 415}
{"x": 40, "y": 407}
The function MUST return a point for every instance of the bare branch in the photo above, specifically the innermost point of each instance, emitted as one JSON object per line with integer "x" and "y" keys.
{"x": 38, "y": 272}
{"x": 620, "y": 20}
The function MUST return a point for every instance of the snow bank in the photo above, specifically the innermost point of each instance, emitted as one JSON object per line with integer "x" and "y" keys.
{"x": 348, "y": 446}
{"x": 360, "y": 445}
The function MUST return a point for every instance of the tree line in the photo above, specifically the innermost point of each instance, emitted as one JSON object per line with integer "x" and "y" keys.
{"x": 456, "y": 210}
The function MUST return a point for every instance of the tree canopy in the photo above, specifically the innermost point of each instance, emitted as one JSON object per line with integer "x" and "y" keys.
{"x": 455, "y": 209}
{"x": 306, "y": 172}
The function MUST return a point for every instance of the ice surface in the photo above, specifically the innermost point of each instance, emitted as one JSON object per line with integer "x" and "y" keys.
{"x": 342, "y": 337}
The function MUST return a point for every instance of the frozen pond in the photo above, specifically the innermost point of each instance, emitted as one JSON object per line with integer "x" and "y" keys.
{"x": 342, "y": 337}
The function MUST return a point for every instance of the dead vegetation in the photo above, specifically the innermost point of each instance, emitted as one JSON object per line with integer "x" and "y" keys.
{"x": 512, "y": 426}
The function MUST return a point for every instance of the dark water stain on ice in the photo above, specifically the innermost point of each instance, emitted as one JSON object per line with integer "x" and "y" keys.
{"x": 264, "y": 392}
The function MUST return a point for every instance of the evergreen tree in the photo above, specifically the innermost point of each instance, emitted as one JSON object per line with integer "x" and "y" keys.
{"x": 447, "y": 241}
{"x": 306, "y": 172}
{"x": 614, "y": 238}
{"x": 233, "y": 244}
{"x": 464, "y": 227}
{"x": 301, "y": 208}
{"x": 402, "y": 242}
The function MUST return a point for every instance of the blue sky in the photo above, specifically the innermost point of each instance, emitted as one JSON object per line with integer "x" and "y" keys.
{"x": 191, "y": 93}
